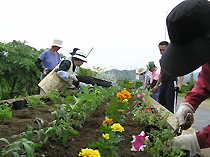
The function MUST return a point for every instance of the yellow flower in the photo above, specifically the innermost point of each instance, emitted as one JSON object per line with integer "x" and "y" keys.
{"x": 120, "y": 110}
{"x": 117, "y": 127}
{"x": 125, "y": 100}
{"x": 108, "y": 120}
{"x": 106, "y": 136}
{"x": 130, "y": 82}
{"x": 89, "y": 153}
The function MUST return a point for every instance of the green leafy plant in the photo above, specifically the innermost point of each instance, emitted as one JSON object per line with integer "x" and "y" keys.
{"x": 21, "y": 146}
{"x": 54, "y": 95}
{"x": 5, "y": 111}
{"x": 161, "y": 144}
{"x": 109, "y": 144}
{"x": 34, "y": 101}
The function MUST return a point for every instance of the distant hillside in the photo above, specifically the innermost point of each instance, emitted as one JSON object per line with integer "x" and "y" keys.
{"x": 131, "y": 74}
{"x": 123, "y": 74}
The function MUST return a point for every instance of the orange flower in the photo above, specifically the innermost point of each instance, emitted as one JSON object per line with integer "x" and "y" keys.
{"x": 126, "y": 93}
{"x": 108, "y": 120}
{"x": 121, "y": 96}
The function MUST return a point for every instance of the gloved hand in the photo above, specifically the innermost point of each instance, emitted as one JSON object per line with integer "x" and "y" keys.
{"x": 74, "y": 77}
{"x": 181, "y": 114}
{"x": 47, "y": 70}
{"x": 190, "y": 143}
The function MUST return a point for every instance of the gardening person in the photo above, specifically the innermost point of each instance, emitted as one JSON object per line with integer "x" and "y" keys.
{"x": 81, "y": 84}
{"x": 50, "y": 58}
{"x": 155, "y": 75}
{"x": 170, "y": 87}
{"x": 189, "y": 31}
{"x": 64, "y": 74}
{"x": 146, "y": 78}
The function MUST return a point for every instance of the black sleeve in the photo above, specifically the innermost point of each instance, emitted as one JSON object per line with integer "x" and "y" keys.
{"x": 38, "y": 64}
{"x": 65, "y": 65}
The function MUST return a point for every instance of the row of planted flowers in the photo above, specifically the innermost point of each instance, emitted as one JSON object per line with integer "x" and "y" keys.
{"x": 83, "y": 105}
{"x": 70, "y": 114}
{"x": 155, "y": 139}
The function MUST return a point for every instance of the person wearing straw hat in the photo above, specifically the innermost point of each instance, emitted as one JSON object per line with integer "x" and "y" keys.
{"x": 189, "y": 31}
{"x": 50, "y": 58}
{"x": 81, "y": 84}
{"x": 146, "y": 78}
{"x": 63, "y": 74}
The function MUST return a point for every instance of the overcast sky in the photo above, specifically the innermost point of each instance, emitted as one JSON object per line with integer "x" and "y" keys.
{"x": 124, "y": 33}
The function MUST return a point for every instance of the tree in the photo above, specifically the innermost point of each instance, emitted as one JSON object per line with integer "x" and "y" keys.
{"x": 18, "y": 71}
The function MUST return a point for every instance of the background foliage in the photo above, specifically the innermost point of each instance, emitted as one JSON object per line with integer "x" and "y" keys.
{"x": 20, "y": 76}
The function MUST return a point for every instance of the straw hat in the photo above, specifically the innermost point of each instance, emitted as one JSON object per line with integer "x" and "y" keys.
{"x": 57, "y": 42}
{"x": 141, "y": 70}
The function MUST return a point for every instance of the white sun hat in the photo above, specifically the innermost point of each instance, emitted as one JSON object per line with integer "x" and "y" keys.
{"x": 57, "y": 42}
{"x": 80, "y": 55}
{"x": 141, "y": 70}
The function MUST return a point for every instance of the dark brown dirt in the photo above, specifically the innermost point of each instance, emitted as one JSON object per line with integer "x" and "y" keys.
{"x": 88, "y": 134}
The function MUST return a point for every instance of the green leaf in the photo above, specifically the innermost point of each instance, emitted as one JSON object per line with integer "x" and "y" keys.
{"x": 29, "y": 149}
{"x": 16, "y": 154}
{"x": 5, "y": 140}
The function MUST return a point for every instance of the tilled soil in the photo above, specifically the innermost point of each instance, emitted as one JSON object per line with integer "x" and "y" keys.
{"x": 88, "y": 133}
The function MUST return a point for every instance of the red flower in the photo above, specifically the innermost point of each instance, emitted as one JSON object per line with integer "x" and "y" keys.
{"x": 148, "y": 109}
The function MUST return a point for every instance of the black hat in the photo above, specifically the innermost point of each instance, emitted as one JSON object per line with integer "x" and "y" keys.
{"x": 74, "y": 51}
{"x": 189, "y": 31}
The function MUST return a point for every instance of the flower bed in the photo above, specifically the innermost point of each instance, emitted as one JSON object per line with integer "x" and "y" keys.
{"x": 88, "y": 129}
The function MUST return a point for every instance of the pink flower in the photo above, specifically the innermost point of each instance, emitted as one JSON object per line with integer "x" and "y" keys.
{"x": 137, "y": 143}
{"x": 143, "y": 94}
{"x": 138, "y": 95}
{"x": 143, "y": 99}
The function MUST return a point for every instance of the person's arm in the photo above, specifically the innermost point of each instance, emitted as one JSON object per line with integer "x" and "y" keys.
{"x": 158, "y": 82}
{"x": 38, "y": 64}
{"x": 180, "y": 82}
{"x": 62, "y": 71}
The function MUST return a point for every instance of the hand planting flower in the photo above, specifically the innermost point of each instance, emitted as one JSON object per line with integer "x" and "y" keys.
{"x": 117, "y": 127}
{"x": 105, "y": 136}
{"x": 89, "y": 153}
{"x": 137, "y": 143}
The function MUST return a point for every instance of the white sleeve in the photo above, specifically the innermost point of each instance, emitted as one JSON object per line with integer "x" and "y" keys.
{"x": 64, "y": 75}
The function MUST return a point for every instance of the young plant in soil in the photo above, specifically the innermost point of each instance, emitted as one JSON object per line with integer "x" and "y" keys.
{"x": 21, "y": 145}
{"x": 5, "y": 111}
{"x": 34, "y": 101}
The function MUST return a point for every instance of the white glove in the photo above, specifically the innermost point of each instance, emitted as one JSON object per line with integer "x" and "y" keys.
{"x": 190, "y": 142}
{"x": 74, "y": 77}
{"x": 181, "y": 114}
{"x": 45, "y": 71}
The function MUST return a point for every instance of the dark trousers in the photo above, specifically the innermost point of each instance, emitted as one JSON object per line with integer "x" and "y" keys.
{"x": 168, "y": 96}
{"x": 156, "y": 93}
